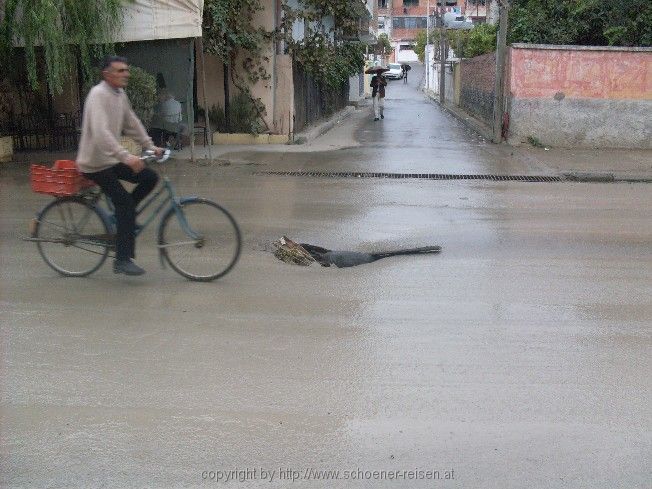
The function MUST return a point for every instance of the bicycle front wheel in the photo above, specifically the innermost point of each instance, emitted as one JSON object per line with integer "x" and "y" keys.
{"x": 72, "y": 237}
{"x": 201, "y": 242}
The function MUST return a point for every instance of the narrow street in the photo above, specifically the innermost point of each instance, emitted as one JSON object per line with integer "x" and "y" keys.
{"x": 518, "y": 357}
{"x": 414, "y": 137}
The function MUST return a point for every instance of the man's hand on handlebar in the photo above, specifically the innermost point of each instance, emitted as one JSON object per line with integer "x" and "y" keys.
{"x": 137, "y": 164}
{"x": 158, "y": 155}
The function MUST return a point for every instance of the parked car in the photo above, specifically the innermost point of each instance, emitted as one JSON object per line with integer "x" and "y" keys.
{"x": 395, "y": 72}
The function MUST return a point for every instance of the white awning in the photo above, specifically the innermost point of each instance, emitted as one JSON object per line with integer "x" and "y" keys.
{"x": 146, "y": 20}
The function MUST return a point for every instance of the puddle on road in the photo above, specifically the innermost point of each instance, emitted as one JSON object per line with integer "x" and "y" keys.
{"x": 305, "y": 254}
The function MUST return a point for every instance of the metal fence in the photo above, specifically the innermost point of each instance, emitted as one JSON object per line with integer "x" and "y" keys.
{"x": 313, "y": 102}
{"x": 478, "y": 86}
{"x": 34, "y": 132}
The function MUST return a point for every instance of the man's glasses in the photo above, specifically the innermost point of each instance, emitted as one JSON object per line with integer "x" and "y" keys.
{"x": 122, "y": 70}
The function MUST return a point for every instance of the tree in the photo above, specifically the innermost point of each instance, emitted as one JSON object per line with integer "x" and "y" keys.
{"x": 479, "y": 40}
{"x": 465, "y": 43}
{"x": 581, "y": 22}
{"x": 66, "y": 30}
{"x": 420, "y": 44}
{"x": 383, "y": 45}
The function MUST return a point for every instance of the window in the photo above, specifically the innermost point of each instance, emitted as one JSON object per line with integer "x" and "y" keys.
{"x": 410, "y": 3}
{"x": 406, "y": 47}
{"x": 409, "y": 23}
{"x": 382, "y": 3}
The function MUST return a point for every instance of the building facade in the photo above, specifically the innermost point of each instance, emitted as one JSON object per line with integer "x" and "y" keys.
{"x": 401, "y": 20}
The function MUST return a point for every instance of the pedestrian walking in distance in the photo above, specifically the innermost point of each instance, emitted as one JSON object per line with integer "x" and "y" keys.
{"x": 378, "y": 84}
{"x": 405, "y": 68}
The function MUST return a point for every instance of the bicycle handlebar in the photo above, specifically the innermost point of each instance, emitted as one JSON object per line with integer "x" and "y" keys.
{"x": 149, "y": 156}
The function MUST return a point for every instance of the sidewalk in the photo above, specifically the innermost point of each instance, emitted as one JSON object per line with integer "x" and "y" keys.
{"x": 582, "y": 164}
{"x": 312, "y": 138}
{"x": 316, "y": 137}
{"x": 342, "y": 131}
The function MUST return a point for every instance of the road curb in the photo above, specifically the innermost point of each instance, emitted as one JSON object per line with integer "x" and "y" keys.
{"x": 589, "y": 177}
{"x": 464, "y": 117}
{"x": 320, "y": 128}
{"x": 604, "y": 177}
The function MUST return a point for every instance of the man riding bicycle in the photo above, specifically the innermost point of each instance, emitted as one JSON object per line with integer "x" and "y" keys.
{"x": 101, "y": 158}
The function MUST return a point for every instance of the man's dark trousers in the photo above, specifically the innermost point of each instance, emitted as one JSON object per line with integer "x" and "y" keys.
{"x": 125, "y": 203}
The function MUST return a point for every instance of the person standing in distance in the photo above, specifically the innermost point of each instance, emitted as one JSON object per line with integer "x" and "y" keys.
{"x": 378, "y": 84}
{"x": 107, "y": 116}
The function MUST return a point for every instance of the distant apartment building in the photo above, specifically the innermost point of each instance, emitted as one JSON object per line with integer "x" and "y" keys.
{"x": 401, "y": 20}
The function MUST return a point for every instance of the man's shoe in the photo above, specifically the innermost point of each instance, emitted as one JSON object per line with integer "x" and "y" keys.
{"x": 382, "y": 116}
{"x": 375, "y": 118}
{"x": 127, "y": 267}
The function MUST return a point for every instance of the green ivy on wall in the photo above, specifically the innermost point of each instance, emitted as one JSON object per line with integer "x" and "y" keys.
{"x": 230, "y": 34}
{"x": 323, "y": 54}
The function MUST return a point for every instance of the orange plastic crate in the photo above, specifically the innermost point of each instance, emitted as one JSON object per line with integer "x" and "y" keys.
{"x": 63, "y": 179}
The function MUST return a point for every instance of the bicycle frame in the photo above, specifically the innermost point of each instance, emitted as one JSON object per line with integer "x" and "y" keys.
{"x": 170, "y": 198}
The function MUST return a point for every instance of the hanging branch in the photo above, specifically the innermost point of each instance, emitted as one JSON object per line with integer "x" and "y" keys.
{"x": 64, "y": 29}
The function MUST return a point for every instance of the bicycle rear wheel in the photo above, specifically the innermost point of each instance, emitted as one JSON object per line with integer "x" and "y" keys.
{"x": 208, "y": 248}
{"x": 72, "y": 237}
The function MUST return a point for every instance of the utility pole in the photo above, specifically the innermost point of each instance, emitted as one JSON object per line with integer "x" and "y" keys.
{"x": 426, "y": 51}
{"x": 390, "y": 28}
{"x": 501, "y": 55}
{"x": 442, "y": 56}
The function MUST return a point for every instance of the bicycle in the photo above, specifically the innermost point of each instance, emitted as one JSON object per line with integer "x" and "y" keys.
{"x": 75, "y": 234}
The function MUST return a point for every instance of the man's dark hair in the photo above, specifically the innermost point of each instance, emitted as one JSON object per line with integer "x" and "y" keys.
{"x": 106, "y": 62}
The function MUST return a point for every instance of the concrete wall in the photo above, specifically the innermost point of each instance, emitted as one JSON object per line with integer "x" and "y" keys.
{"x": 451, "y": 89}
{"x": 406, "y": 55}
{"x": 284, "y": 94}
{"x": 452, "y": 77}
{"x": 449, "y": 80}
{"x": 431, "y": 75}
{"x": 275, "y": 93}
{"x": 356, "y": 88}
{"x": 581, "y": 96}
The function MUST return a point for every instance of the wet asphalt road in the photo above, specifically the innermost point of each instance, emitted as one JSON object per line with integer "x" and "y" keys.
{"x": 518, "y": 357}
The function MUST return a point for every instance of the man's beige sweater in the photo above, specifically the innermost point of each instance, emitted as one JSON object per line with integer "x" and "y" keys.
{"x": 107, "y": 116}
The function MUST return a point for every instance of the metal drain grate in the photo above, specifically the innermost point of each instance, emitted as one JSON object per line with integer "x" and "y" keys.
{"x": 422, "y": 176}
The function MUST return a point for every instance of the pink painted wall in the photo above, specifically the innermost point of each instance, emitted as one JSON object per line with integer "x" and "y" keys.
{"x": 578, "y": 73}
